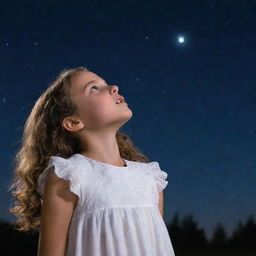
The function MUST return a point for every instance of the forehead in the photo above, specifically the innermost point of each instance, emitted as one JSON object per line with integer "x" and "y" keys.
{"x": 80, "y": 79}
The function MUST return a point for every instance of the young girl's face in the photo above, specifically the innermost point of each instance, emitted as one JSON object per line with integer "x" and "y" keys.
{"x": 96, "y": 102}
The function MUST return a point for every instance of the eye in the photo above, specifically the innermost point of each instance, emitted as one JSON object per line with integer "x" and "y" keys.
{"x": 94, "y": 86}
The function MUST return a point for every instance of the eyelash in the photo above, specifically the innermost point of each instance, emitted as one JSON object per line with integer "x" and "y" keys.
{"x": 94, "y": 86}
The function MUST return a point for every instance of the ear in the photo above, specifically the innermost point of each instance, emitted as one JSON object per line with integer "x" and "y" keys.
{"x": 72, "y": 124}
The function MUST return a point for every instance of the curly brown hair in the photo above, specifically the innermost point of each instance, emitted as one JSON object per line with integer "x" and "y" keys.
{"x": 43, "y": 137}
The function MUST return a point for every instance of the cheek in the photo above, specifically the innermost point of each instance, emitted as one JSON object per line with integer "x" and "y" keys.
{"x": 101, "y": 108}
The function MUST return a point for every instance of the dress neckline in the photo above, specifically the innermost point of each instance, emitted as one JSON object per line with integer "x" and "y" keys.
{"x": 102, "y": 163}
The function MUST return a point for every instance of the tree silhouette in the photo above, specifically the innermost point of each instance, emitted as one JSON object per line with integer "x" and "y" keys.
{"x": 174, "y": 230}
{"x": 186, "y": 235}
{"x": 16, "y": 243}
{"x": 219, "y": 239}
{"x": 188, "y": 238}
{"x": 244, "y": 236}
{"x": 193, "y": 237}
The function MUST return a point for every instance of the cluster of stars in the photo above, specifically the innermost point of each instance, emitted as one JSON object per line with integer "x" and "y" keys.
{"x": 8, "y": 44}
{"x": 180, "y": 39}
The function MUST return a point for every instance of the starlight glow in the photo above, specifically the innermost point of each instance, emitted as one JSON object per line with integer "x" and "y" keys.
{"x": 181, "y": 39}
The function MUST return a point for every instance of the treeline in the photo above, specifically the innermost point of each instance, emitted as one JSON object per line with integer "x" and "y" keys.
{"x": 187, "y": 239}
{"x": 187, "y": 236}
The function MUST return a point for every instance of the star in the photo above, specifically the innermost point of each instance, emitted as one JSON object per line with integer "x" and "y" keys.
{"x": 181, "y": 39}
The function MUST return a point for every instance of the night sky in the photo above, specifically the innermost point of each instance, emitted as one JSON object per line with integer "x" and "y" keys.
{"x": 186, "y": 70}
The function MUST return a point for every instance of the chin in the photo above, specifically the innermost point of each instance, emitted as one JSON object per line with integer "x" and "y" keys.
{"x": 126, "y": 117}
{"x": 129, "y": 114}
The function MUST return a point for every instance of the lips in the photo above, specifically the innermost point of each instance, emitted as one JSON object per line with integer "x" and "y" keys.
{"x": 121, "y": 99}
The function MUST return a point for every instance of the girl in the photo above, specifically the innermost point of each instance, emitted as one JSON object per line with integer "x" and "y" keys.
{"x": 82, "y": 183}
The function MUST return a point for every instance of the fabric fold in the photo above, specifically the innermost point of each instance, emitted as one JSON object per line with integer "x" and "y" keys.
{"x": 158, "y": 174}
{"x": 63, "y": 169}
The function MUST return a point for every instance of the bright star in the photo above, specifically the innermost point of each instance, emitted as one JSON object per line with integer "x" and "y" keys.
{"x": 181, "y": 39}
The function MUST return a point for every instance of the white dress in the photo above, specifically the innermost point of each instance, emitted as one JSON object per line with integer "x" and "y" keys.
{"x": 117, "y": 210}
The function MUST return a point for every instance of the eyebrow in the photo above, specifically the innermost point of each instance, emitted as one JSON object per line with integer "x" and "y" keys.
{"x": 85, "y": 86}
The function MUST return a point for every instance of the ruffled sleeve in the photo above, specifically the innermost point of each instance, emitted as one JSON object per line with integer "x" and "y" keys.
{"x": 63, "y": 169}
{"x": 158, "y": 174}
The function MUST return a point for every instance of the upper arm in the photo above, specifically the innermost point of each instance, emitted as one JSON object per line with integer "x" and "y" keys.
{"x": 161, "y": 203}
{"x": 56, "y": 213}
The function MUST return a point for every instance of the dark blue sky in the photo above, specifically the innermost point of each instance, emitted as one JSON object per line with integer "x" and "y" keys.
{"x": 193, "y": 104}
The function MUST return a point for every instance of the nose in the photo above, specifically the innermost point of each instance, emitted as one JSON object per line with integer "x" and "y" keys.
{"x": 114, "y": 88}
